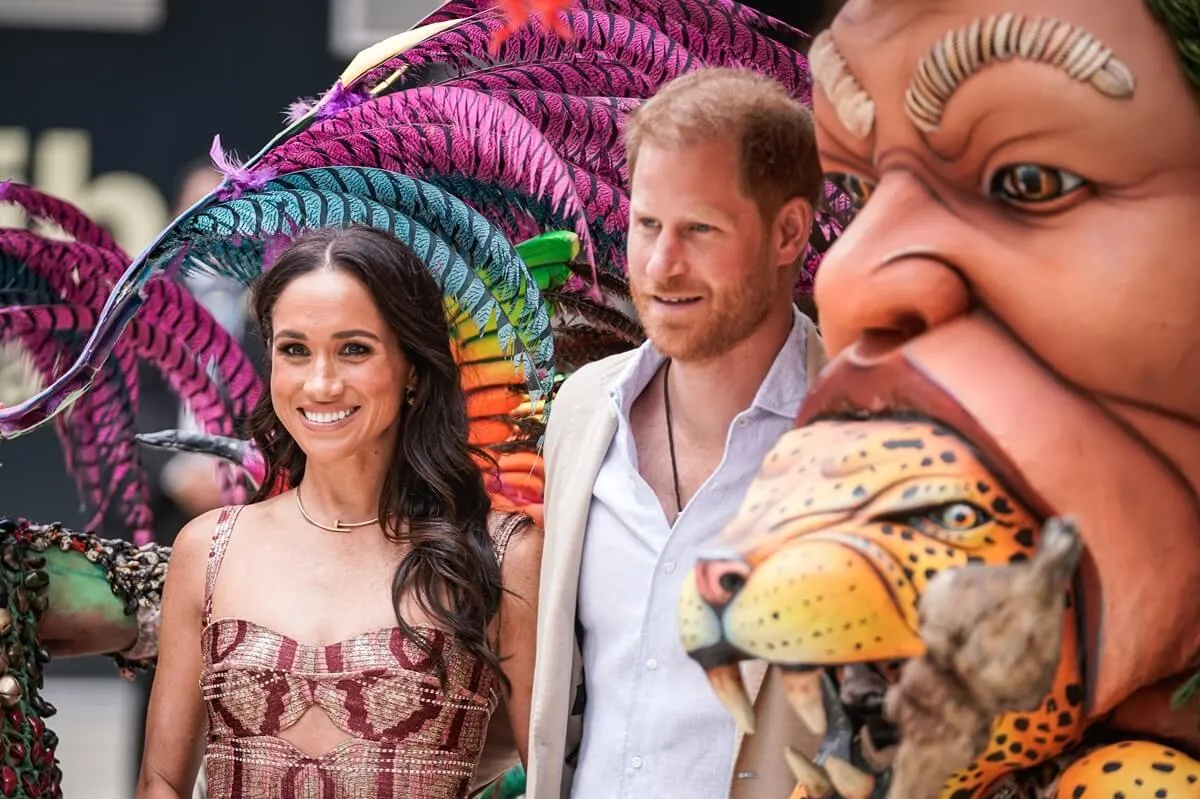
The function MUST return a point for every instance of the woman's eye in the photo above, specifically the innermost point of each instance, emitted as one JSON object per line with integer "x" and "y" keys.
{"x": 1033, "y": 184}
{"x": 857, "y": 188}
{"x": 292, "y": 350}
{"x": 356, "y": 349}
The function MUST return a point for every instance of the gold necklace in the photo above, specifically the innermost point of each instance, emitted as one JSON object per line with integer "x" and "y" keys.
{"x": 339, "y": 526}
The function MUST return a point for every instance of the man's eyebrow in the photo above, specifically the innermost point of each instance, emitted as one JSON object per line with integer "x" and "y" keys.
{"x": 964, "y": 51}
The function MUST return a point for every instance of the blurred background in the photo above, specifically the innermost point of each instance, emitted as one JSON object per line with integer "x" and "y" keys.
{"x": 113, "y": 105}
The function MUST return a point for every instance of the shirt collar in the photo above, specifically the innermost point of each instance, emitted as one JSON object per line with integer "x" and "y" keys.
{"x": 781, "y": 392}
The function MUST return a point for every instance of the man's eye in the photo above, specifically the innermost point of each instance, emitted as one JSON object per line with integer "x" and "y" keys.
{"x": 1034, "y": 184}
{"x": 857, "y": 188}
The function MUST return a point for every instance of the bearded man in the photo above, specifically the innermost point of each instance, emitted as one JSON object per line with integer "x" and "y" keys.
{"x": 649, "y": 452}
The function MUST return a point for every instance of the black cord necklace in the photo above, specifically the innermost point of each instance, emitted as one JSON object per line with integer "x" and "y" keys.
{"x": 671, "y": 436}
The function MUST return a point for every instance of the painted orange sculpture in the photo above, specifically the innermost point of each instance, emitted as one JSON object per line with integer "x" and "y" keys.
{"x": 1013, "y": 319}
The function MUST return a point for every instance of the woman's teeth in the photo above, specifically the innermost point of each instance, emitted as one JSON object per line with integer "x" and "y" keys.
{"x": 328, "y": 417}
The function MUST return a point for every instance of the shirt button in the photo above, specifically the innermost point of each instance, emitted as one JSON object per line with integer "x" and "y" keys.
{"x": 652, "y": 664}
{"x": 636, "y": 762}
{"x": 669, "y": 566}
{"x": 742, "y": 422}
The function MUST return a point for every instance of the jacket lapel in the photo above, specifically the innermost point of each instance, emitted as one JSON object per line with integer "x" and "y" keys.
{"x": 578, "y": 454}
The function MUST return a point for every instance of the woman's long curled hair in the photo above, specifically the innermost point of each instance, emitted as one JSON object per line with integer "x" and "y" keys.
{"x": 433, "y": 498}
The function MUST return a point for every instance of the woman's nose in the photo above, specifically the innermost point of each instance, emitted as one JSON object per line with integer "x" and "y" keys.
{"x": 323, "y": 382}
{"x": 893, "y": 274}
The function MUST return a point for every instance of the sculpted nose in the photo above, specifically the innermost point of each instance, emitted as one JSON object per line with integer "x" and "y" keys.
{"x": 895, "y": 273}
{"x": 720, "y": 577}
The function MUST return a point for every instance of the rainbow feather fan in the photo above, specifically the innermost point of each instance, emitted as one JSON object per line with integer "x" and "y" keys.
{"x": 490, "y": 144}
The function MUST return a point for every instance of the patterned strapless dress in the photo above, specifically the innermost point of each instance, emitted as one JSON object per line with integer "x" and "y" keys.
{"x": 407, "y": 736}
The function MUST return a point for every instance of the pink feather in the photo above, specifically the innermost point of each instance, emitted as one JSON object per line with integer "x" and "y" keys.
{"x": 238, "y": 178}
{"x": 72, "y": 220}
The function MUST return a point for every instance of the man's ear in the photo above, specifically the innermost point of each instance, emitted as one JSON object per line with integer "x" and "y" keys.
{"x": 793, "y": 223}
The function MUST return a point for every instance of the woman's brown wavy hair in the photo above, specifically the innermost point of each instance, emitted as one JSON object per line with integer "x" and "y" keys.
{"x": 433, "y": 498}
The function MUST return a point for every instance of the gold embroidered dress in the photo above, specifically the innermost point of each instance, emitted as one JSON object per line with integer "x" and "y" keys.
{"x": 409, "y": 738}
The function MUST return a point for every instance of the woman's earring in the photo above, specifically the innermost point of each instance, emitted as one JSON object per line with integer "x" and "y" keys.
{"x": 410, "y": 394}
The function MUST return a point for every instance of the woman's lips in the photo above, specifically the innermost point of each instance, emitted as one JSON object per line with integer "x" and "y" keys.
{"x": 325, "y": 420}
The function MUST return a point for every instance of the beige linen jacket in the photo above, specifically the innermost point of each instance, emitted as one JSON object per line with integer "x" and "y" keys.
{"x": 582, "y": 424}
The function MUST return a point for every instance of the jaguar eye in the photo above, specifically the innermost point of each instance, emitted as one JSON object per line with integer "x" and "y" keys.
{"x": 858, "y": 189}
{"x": 951, "y": 517}
{"x": 958, "y": 517}
{"x": 1034, "y": 184}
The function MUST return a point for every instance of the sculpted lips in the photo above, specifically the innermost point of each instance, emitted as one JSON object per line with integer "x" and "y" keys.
{"x": 822, "y": 569}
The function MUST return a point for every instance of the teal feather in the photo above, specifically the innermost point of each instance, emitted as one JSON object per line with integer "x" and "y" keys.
{"x": 484, "y": 246}
{"x": 236, "y": 228}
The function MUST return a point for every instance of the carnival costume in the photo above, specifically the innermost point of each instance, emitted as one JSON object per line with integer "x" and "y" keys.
{"x": 973, "y": 558}
{"x": 490, "y": 148}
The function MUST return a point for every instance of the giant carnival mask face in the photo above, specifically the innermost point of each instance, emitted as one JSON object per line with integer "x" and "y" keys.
{"x": 1013, "y": 315}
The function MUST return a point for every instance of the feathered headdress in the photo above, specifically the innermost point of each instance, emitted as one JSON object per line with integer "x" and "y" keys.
{"x": 52, "y": 292}
{"x": 495, "y": 153}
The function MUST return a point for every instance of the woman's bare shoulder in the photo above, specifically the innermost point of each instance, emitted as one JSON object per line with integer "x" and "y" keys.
{"x": 196, "y": 537}
{"x": 195, "y": 540}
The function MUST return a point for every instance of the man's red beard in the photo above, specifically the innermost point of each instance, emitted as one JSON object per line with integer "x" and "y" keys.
{"x": 719, "y": 323}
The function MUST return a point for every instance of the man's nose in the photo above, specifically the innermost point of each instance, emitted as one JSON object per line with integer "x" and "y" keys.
{"x": 664, "y": 261}
{"x": 894, "y": 273}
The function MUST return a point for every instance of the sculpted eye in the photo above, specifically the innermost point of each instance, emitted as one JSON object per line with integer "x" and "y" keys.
{"x": 935, "y": 520}
{"x": 1033, "y": 184}
{"x": 859, "y": 189}
{"x": 957, "y": 517}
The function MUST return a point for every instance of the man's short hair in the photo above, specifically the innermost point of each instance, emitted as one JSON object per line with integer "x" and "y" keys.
{"x": 774, "y": 132}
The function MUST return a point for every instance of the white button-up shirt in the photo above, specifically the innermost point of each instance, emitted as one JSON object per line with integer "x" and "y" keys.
{"x": 652, "y": 726}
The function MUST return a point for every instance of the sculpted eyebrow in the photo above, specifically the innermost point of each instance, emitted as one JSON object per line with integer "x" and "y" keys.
{"x": 962, "y": 52}
{"x": 854, "y": 107}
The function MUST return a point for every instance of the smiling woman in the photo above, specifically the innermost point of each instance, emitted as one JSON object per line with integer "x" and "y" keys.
{"x": 380, "y": 643}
